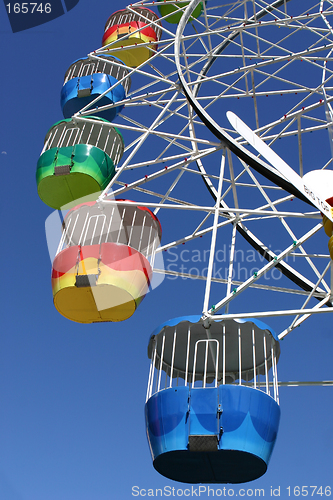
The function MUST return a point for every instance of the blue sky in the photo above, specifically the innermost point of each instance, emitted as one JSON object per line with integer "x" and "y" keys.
{"x": 71, "y": 395}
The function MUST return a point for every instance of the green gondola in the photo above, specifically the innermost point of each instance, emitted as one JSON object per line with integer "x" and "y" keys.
{"x": 78, "y": 159}
{"x": 174, "y": 10}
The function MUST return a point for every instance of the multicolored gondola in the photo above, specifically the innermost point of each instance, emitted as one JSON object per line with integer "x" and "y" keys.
{"x": 102, "y": 269}
{"x": 78, "y": 159}
{"x": 136, "y": 32}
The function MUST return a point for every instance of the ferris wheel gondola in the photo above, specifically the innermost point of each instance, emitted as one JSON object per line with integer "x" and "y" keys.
{"x": 86, "y": 79}
{"x": 212, "y": 411}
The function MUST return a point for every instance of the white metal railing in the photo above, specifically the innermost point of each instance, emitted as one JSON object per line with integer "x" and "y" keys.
{"x": 179, "y": 361}
{"x": 126, "y": 225}
{"x": 206, "y": 342}
{"x": 140, "y": 15}
{"x": 68, "y": 134}
{"x": 88, "y": 69}
{"x": 85, "y": 67}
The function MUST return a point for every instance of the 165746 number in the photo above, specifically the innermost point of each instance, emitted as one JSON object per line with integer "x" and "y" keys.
{"x": 305, "y": 491}
{"x": 28, "y": 8}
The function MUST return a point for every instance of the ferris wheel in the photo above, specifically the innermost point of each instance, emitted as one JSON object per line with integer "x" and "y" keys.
{"x": 204, "y": 124}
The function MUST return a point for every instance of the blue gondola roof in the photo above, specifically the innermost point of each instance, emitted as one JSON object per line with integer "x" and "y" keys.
{"x": 197, "y": 318}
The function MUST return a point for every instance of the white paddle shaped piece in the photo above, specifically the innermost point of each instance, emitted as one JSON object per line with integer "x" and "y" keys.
{"x": 279, "y": 164}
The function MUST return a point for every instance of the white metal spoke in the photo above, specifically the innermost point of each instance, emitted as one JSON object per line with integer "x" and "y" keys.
{"x": 214, "y": 233}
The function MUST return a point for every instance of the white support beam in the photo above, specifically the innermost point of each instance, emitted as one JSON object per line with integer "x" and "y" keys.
{"x": 270, "y": 314}
{"x": 214, "y": 234}
{"x": 266, "y": 268}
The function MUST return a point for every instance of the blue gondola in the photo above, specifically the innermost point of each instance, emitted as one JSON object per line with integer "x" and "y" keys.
{"x": 86, "y": 79}
{"x": 212, "y": 412}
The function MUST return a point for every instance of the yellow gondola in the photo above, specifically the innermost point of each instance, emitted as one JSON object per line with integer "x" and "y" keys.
{"x": 131, "y": 31}
{"x": 103, "y": 266}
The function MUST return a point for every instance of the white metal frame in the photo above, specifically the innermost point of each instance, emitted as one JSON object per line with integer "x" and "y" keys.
{"x": 187, "y": 146}
{"x": 164, "y": 375}
{"x": 111, "y": 230}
